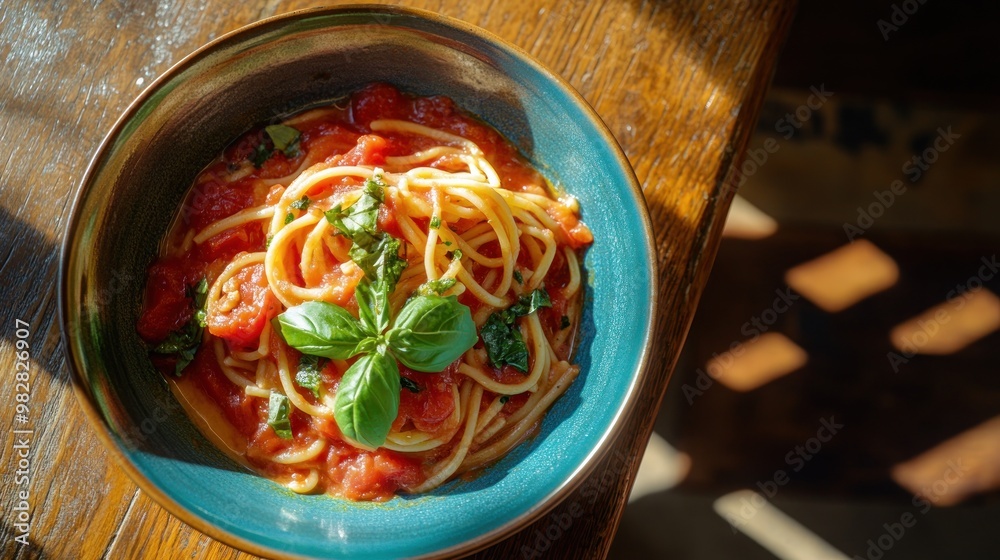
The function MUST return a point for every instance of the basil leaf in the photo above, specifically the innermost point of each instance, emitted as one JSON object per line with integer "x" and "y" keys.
{"x": 518, "y": 277}
{"x": 409, "y": 384}
{"x": 530, "y": 303}
{"x": 435, "y": 222}
{"x": 308, "y": 376}
{"x": 301, "y": 204}
{"x": 431, "y": 332}
{"x": 367, "y": 400}
{"x": 185, "y": 341}
{"x": 277, "y": 415}
{"x": 184, "y": 357}
{"x": 322, "y": 329}
{"x": 373, "y": 306}
{"x": 184, "y": 338}
{"x": 438, "y": 287}
{"x": 285, "y": 138}
{"x": 381, "y": 262}
{"x": 199, "y": 295}
{"x": 359, "y": 222}
{"x": 261, "y": 153}
{"x": 504, "y": 344}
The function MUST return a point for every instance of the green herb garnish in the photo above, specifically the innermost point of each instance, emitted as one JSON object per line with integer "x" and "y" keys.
{"x": 501, "y": 337}
{"x": 285, "y": 138}
{"x": 429, "y": 333}
{"x": 435, "y": 222}
{"x": 185, "y": 341}
{"x": 282, "y": 138}
{"x": 375, "y": 252}
{"x": 277, "y": 415}
{"x": 439, "y": 286}
{"x": 308, "y": 376}
{"x": 302, "y": 203}
{"x": 409, "y": 384}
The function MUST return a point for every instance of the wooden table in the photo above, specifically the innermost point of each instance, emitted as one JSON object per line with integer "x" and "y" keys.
{"x": 679, "y": 83}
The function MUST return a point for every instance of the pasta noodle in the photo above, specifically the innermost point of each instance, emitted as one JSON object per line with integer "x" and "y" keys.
{"x": 280, "y": 227}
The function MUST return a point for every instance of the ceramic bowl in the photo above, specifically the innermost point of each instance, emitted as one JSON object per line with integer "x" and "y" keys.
{"x": 139, "y": 175}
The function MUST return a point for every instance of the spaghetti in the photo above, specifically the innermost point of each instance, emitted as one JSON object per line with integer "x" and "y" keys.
{"x": 369, "y": 298}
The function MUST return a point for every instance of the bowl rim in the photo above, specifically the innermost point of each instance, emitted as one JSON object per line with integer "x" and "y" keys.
{"x": 78, "y": 377}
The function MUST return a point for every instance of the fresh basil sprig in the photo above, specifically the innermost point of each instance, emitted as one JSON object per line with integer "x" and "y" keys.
{"x": 429, "y": 333}
{"x": 503, "y": 341}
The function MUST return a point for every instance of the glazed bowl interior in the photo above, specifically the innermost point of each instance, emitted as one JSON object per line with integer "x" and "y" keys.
{"x": 271, "y": 69}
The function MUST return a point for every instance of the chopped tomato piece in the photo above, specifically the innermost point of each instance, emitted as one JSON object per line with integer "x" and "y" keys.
{"x": 240, "y": 316}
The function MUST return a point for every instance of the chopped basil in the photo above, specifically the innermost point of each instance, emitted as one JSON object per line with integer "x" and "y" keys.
{"x": 282, "y": 138}
{"x": 261, "y": 153}
{"x": 308, "y": 376}
{"x": 526, "y": 305}
{"x": 185, "y": 341}
{"x": 409, "y": 384}
{"x": 504, "y": 343}
{"x": 285, "y": 138}
{"x": 302, "y": 203}
{"x": 564, "y": 322}
{"x": 277, "y": 415}
{"x": 374, "y": 251}
{"x": 435, "y": 222}
{"x": 439, "y": 286}
{"x": 455, "y": 255}
{"x": 518, "y": 277}
{"x": 504, "y": 399}
{"x": 289, "y": 218}
{"x": 501, "y": 337}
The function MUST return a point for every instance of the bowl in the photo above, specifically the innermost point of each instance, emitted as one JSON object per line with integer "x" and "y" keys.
{"x": 140, "y": 173}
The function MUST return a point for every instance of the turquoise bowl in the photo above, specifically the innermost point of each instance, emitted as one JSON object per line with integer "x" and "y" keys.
{"x": 277, "y": 66}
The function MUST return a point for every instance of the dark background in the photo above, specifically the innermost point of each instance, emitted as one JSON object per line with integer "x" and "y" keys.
{"x": 890, "y": 96}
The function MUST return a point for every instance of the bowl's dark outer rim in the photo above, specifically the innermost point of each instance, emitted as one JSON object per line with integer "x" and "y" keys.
{"x": 86, "y": 398}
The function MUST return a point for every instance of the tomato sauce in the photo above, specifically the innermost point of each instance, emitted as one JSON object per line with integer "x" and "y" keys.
{"x": 341, "y": 137}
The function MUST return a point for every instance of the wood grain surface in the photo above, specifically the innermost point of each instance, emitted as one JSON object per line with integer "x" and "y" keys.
{"x": 679, "y": 84}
